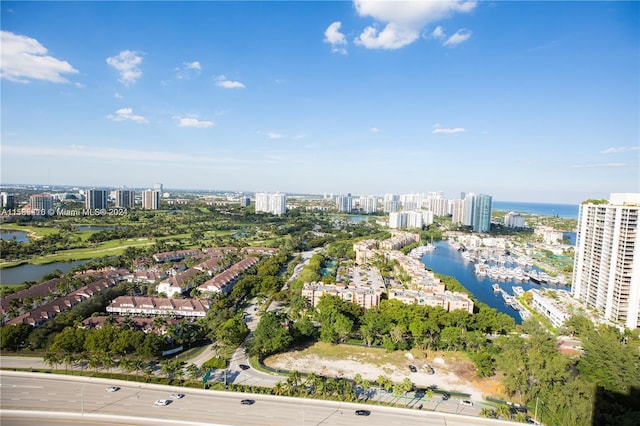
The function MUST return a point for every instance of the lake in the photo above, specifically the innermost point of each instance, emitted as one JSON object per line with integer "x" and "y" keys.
{"x": 19, "y": 236}
{"x": 28, "y": 272}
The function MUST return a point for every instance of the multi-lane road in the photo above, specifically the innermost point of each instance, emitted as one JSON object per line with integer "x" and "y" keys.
{"x": 33, "y": 398}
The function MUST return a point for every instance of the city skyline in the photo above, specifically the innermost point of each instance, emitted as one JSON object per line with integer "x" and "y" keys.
{"x": 526, "y": 101}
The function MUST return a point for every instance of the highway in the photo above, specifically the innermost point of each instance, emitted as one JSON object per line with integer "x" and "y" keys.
{"x": 36, "y": 398}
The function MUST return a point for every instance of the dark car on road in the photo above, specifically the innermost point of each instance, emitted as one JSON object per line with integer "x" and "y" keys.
{"x": 445, "y": 396}
{"x": 247, "y": 402}
{"x": 244, "y": 367}
{"x": 362, "y": 412}
{"x": 413, "y": 369}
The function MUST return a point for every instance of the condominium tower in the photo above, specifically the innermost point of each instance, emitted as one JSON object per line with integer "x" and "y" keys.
{"x": 271, "y": 203}
{"x": 96, "y": 199}
{"x": 606, "y": 272}
{"x": 150, "y": 199}
{"x": 125, "y": 198}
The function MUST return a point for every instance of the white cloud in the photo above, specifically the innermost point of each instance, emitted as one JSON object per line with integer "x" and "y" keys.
{"x": 23, "y": 59}
{"x": 374, "y": 130}
{"x": 188, "y": 69}
{"x": 404, "y": 20}
{"x": 616, "y": 150}
{"x": 194, "y": 122}
{"x": 335, "y": 38}
{"x": 221, "y": 81}
{"x": 459, "y": 37}
{"x": 598, "y": 166}
{"x": 437, "y": 129}
{"x": 393, "y": 36}
{"x": 438, "y": 33}
{"x": 127, "y": 63}
{"x": 195, "y": 65}
{"x": 275, "y": 135}
{"x": 117, "y": 95}
{"x": 126, "y": 114}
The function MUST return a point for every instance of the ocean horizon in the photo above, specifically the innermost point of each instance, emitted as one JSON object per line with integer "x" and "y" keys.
{"x": 567, "y": 211}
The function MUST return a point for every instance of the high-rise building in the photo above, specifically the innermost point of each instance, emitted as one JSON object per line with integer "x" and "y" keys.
{"x": 158, "y": 187}
{"x": 457, "y": 211}
{"x": 368, "y": 204}
{"x": 8, "y": 201}
{"x": 151, "y": 199}
{"x": 41, "y": 204}
{"x": 477, "y": 212}
{"x": 271, "y": 203}
{"x": 482, "y": 213}
{"x": 344, "y": 203}
{"x": 125, "y": 198}
{"x": 391, "y": 203}
{"x": 606, "y": 271}
{"x": 96, "y": 199}
{"x": 514, "y": 220}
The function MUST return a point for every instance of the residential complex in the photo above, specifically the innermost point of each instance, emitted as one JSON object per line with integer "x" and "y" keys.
{"x": 423, "y": 288}
{"x": 96, "y": 199}
{"x": 151, "y": 199}
{"x": 606, "y": 273}
{"x": 125, "y": 198}
{"x": 271, "y": 203}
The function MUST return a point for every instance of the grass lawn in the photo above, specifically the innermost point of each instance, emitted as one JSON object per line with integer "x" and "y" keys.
{"x": 33, "y": 231}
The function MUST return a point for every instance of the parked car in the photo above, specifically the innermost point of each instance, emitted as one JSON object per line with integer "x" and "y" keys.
{"x": 446, "y": 396}
{"x": 362, "y": 412}
{"x": 112, "y": 388}
{"x": 466, "y": 402}
{"x": 247, "y": 402}
{"x": 162, "y": 402}
{"x": 413, "y": 369}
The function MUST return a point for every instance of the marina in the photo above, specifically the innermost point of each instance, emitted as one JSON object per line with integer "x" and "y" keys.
{"x": 446, "y": 259}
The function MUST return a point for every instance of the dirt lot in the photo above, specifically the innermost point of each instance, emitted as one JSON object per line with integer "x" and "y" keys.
{"x": 453, "y": 371}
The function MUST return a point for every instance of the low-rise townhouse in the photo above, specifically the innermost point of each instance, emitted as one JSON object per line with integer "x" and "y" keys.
{"x": 131, "y": 305}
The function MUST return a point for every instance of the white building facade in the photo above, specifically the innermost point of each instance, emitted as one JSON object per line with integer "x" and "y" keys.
{"x": 606, "y": 268}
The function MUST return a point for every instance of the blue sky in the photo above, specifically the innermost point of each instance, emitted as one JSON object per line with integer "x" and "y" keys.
{"x": 524, "y": 101}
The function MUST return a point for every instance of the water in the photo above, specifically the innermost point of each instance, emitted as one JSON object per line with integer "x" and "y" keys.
{"x": 19, "y": 236}
{"x": 448, "y": 261}
{"x": 567, "y": 211}
{"x": 22, "y": 273}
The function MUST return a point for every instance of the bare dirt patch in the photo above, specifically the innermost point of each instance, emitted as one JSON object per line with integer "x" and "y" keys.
{"x": 453, "y": 371}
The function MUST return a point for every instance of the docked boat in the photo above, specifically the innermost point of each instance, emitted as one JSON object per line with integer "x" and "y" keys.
{"x": 496, "y": 287}
{"x": 518, "y": 291}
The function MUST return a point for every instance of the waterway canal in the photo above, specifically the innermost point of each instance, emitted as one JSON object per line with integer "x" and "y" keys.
{"x": 447, "y": 260}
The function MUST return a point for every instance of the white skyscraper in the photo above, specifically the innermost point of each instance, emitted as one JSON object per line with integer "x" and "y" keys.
{"x": 271, "y": 203}
{"x": 344, "y": 203}
{"x": 368, "y": 204}
{"x": 150, "y": 199}
{"x": 606, "y": 271}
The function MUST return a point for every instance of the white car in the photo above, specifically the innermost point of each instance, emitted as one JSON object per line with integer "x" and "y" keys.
{"x": 177, "y": 395}
{"x": 112, "y": 388}
{"x": 162, "y": 402}
{"x": 466, "y": 402}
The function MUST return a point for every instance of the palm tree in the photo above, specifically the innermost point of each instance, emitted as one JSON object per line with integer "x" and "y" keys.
{"x": 138, "y": 365}
{"x": 52, "y": 359}
{"x": 311, "y": 381}
{"x": 108, "y": 362}
{"x": 278, "y": 388}
{"x": 193, "y": 371}
{"x": 95, "y": 361}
